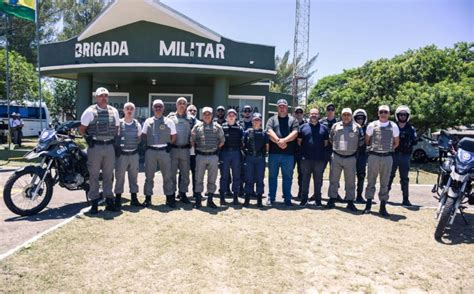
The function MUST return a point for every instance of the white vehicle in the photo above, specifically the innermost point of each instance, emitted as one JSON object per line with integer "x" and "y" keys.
{"x": 425, "y": 149}
{"x": 29, "y": 113}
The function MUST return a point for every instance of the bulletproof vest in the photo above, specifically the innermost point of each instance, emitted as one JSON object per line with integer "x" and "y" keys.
{"x": 382, "y": 138}
{"x": 207, "y": 137}
{"x": 232, "y": 134}
{"x": 129, "y": 135}
{"x": 158, "y": 132}
{"x": 183, "y": 128}
{"x": 246, "y": 124}
{"x": 102, "y": 127}
{"x": 216, "y": 119}
{"x": 256, "y": 142}
{"x": 346, "y": 138}
{"x": 329, "y": 123}
{"x": 407, "y": 136}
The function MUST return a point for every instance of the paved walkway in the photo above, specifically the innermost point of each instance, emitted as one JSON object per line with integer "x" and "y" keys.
{"x": 14, "y": 230}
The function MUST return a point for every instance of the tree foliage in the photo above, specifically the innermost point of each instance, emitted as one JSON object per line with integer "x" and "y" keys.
{"x": 23, "y": 78}
{"x": 437, "y": 85}
{"x": 64, "y": 98}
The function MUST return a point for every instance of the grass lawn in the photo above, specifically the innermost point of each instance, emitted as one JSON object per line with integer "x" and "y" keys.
{"x": 245, "y": 250}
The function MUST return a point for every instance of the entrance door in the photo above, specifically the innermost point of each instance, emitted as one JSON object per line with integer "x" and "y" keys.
{"x": 239, "y": 101}
{"x": 169, "y": 99}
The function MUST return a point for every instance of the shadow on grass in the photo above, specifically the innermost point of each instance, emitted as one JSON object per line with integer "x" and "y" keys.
{"x": 63, "y": 212}
{"x": 459, "y": 232}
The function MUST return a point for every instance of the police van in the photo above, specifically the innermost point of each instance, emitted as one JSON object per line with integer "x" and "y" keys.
{"x": 30, "y": 115}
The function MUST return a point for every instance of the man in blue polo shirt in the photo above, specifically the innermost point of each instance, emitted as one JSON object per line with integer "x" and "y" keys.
{"x": 313, "y": 138}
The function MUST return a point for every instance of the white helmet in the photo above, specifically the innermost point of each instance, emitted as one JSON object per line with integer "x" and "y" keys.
{"x": 400, "y": 109}
{"x": 360, "y": 112}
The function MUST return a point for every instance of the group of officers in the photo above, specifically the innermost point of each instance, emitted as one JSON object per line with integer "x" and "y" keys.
{"x": 180, "y": 145}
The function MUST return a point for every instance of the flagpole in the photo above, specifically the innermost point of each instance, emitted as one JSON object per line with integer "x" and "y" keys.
{"x": 38, "y": 61}
{"x": 7, "y": 78}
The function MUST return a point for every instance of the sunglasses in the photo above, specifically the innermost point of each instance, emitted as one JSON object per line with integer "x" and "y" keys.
{"x": 383, "y": 112}
{"x": 158, "y": 106}
{"x": 247, "y": 110}
{"x": 359, "y": 118}
{"x": 129, "y": 108}
{"x": 331, "y": 109}
{"x": 299, "y": 112}
{"x": 402, "y": 114}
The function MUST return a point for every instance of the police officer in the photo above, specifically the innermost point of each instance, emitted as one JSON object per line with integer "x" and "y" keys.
{"x": 180, "y": 156}
{"x": 246, "y": 122}
{"x": 255, "y": 148}
{"x": 313, "y": 138}
{"x": 345, "y": 137}
{"x": 220, "y": 115}
{"x": 360, "y": 117}
{"x": 130, "y": 132}
{"x": 159, "y": 133}
{"x": 192, "y": 113}
{"x": 16, "y": 126}
{"x": 402, "y": 154}
{"x": 299, "y": 115}
{"x": 207, "y": 137}
{"x": 230, "y": 157}
{"x": 381, "y": 137}
{"x": 99, "y": 125}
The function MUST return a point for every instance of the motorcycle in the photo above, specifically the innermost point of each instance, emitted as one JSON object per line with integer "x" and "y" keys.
{"x": 454, "y": 184}
{"x": 30, "y": 188}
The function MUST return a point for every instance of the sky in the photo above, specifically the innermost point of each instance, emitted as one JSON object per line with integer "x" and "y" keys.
{"x": 345, "y": 33}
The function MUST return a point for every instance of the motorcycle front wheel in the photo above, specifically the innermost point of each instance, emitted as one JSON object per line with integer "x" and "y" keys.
{"x": 443, "y": 220}
{"x": 18, "y": 191}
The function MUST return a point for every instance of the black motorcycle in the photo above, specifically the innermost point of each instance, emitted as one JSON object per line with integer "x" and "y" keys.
{"x": 454, "y": 185}
{"x": 29, "y": 189}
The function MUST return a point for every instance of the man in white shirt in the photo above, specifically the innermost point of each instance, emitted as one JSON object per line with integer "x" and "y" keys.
{"x": 159, "y": 133}
{"x": 381, "y": 137}
{"x": 99, "y": 124}
{"x": 16, "y": 125}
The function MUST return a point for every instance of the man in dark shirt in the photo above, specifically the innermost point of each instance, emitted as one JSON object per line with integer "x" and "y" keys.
{"x": 312, "y": 138}
{"x": 282, "y": 131}
{"x": 299, "y": 115}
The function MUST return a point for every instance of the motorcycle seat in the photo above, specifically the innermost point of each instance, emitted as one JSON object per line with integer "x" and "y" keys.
{"x": 467, "y": 144}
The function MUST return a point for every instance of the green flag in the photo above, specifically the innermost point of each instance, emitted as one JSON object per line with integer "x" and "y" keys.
{"x": 20, "y": 8}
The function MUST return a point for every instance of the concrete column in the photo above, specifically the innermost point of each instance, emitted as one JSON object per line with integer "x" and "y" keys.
{"x": 221, "y": 92}
{"x": 84, "y": 94}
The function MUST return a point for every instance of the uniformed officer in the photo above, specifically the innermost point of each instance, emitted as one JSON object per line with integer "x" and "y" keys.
{"x": 180, "y": 156}
{"x": 360, "y": 117}
{"x": 16, "y": 126}
{"x": 255, "y": 148}
{"x": 402, "y": 154}
{"x": 299, "y": 115}
{"x": 99, "y": 125}
{"x": 381, "y": 137}
{"x": 246, "y": 122}
{"x": 207, "y": 137}
{"x": 313, "y": 138}
{"x": 220, "y": 115}
{"x": 130, "y": 132}
{"x": 192, "y": 113}
{"x": 230, "y": 157}
{"x": 159, "y": 133}
{"x": 345, "y": 137}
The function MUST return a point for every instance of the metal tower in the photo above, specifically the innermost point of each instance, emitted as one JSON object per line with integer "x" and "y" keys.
{"x": 301, "y": 53}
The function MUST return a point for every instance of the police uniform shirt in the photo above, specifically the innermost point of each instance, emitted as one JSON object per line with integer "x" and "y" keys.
{"x": 370, "y": 128}
{"x": 248, "y": 145}
{"x": 88, "y": 115}
{"x": 407, "y": 139}
{"x": 167, "y": 121}
{"x": 15, "y": 122}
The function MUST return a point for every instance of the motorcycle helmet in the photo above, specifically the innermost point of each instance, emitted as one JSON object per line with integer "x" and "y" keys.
{"x": 360, "y": 112}
{"x": 402, "y": 109}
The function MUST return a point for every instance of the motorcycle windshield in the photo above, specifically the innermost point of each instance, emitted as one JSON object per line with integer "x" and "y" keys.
{"x": 464, "y": 161}
{"x": 45, "y": 139}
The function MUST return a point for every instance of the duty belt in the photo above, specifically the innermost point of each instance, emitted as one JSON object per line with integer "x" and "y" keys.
{"x": 156, "y": 148}
{"x": 256, "y": 154}
{"x": 103, "y": 142}
{"x": 206, "y": 153}
{"x": 129, "y": 152}
{"x": 380, "y": 154}
{"x": 187, "y": 146}
{"x": 231, "y": 149}
{"x": 345, "y": 156}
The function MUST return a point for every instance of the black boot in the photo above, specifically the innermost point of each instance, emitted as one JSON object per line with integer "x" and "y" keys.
{"x": 383, "y": 210}
{"x": 350, "y": 206}
{"x": 134, "y": 200}
{"x": 210, "y": 203}
{"x": 247, "y": 200}
{"x": 94, "y": 207}
{"x": 331, "y": 203}
{"x": 405, "y": 202}
{"x": 304, "y": 201}
{"x": 222, "y": 199}
{"x": 171, "y": 201}
{"x": 259, "y": 201}
{"x": 118, "y": 200}
{"x": 368, "y": 206}
{"x": 360, "y": 199}
{"x": 236, "y": 200}
{"x": 317, "y": 200}
{"x": 110, "y": 204}
{"x": 198, "y": 200}
{"x": 183, "y": 198}
{"x": 147, "y": 202}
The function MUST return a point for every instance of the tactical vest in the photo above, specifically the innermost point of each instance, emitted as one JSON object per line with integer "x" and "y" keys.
{"x": 183, "y": 128}
{"x": 407, "y": 139}
{"x": 102, "y": 127}
{"x": 346, "y": 139}
{"x": 329, "y": 123}
{"x": 382, "y": 138}
{"x": 255, "y": 144}
{"x": 129, "y": 135}
{"x": 158, "y": 132}
{"x": 246, "y": 125}
{"x": 233, "y": 135}
{"x": 363, "y": 147}
{"x": 207, "y": 137}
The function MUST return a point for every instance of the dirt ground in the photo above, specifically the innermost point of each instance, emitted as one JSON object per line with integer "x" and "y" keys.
{"x": 246, "y": 250}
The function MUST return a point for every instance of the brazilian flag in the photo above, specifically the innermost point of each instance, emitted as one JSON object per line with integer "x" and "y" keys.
{"x": 20, "y": 8}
